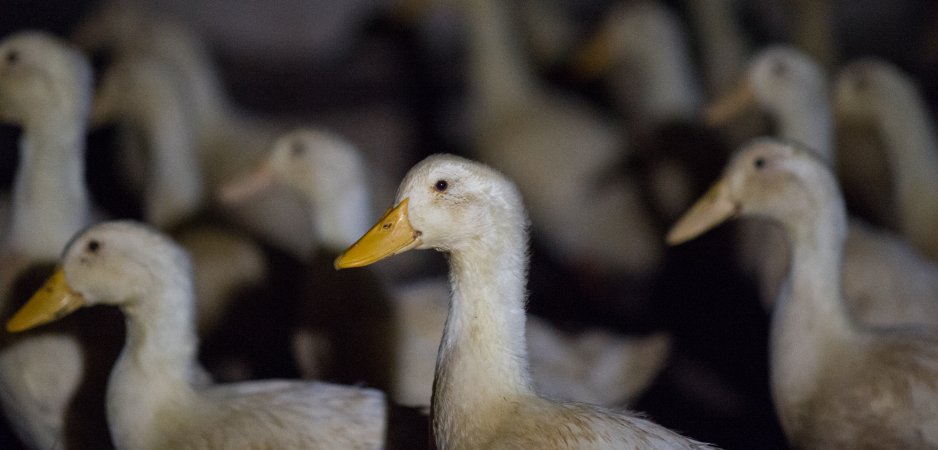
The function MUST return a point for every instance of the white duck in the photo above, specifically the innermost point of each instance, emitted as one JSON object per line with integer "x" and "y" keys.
{"x": 229, "y": 139}
{"x": 45, "y": 87}
{"x": 142, "y": 96}
{"x": 555, "y": 148}
{"x": 878, "y": 93}
{"x": 641, "y": 48}
{"x": 793, "y": 90}
{"x": 594, "y": 366}
{"x": 153, "y": 397}
{"x": 482, "y": 392}
{"x": 835, "y": 383}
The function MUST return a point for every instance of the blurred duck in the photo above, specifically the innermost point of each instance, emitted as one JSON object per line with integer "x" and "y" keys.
{"x": 641, "y": 49}
{"x": 153, "y": 397}
{"x": 229, "y": 139}
{"x": 482, "y": 391}
{"x": 556, "y": 148}
{"x": 45, "y": 88}
{"x": 877, "y": 93}
{"x": 141, "y": 94}
{"x": 595, "y": 366}
{"x": 792, "y": 88}
{"x": 835, "y": 383}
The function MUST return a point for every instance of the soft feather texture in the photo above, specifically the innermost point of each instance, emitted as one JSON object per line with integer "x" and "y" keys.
{"x": 153, "y": 401}
{"x": 836, "y": 383}
{"x": 483, "y": 395}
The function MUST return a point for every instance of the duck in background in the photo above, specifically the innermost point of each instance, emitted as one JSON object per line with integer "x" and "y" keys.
{"x": 594, "y": 365}
{"x": 229, "y": 139}
{"x": 475, "y": 214}
{"x": 50, "y": 385}
{"x": 789, "y": 86}
{"x": 878, "y": 94}
{"x": 836, "y": 383}
{"x": 153, "y": 397}
{"x": 558, "y": 149}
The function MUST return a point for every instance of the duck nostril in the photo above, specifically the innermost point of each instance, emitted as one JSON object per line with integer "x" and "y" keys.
{"x": 387, "y": 226}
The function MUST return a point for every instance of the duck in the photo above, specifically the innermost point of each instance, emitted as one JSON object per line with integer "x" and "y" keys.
{"x": 555, "y": 147}
{"x": 153, "y": 398}
{"x": 140, "y": 95}
{"x": 482, "y": 390}
{"x": 835, "y": 382}
{"x": 793, "y": 89}
{"x": 328, "y": 171}
{"x": 722, "y": 44}
{"x": 229, "y": 139}
{"x": 876, "y": 92}
{"x": 48, "y": 381}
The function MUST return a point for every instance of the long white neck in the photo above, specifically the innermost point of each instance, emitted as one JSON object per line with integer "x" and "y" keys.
{"x": 155, "y": 368}
{"x": 909, "y": 134}
{"x": 500, "y": 79}
{"x": 810, "y": 315}
{"x": 808, "y": 120}
{"x": 174, "y": 188}
{"x": 482, "y": 362}
{"x": 50, "y": 201}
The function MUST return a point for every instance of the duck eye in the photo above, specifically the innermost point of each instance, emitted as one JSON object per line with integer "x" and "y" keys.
{"x": 12, "y": 57}
{"x": 759, "y": 163}
{"x": 779, "y": 69}
{"x": 298, "y": 149}
{"x": 441, "y": 185}
{"x": 93, "y": 246}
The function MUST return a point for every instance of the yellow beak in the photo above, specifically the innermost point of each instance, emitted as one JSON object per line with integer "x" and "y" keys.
{"x": 392, "y": 234}
{"x": 595, "y": 57}
{"x": 54, "y": 300}
{"x": 730, "y": 105}
{"x": 712, "y": 209}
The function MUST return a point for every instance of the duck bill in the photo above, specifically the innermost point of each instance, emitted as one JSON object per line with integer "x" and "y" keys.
{"x": 712, "y": 209}
{"x": 392, "y": 234}
{"x": 730, "y": 105}
{"x": 54, "y": 300}
{"x": 251, "y": 185}
{"x": 596, "y": 56}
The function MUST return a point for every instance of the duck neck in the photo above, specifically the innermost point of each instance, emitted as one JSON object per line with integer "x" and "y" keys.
{"x": 157, "y": 365}
{"x": 50, "y": 201}
{"x": 722, "y": 43}
{"x": 173, "y": 189}
{"x": 482, "y": 365}
{"x": 499, "y": 76}
{"x": 908, "y": 132}
{"x": 810, "y": 316}
{"x": 809, "y": 121}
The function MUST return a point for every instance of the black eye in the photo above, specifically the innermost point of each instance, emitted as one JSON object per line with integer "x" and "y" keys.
{"x": 93, "y": 246}
{"x": 298, "y": 149}
{"x": 441, "y": 185}
{"x": 779, "y": 68}
{"x": 12, "y": 57}
{"x": 759, "y": 163}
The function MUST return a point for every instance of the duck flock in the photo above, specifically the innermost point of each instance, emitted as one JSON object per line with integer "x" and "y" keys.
{"x": 652, "y": 224}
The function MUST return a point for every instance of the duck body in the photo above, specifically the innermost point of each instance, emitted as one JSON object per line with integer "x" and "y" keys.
{"x": 475, "y": 215}
{"x": 835, "y": 381}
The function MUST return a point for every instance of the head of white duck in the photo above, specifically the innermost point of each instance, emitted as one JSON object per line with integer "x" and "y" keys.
{"x": 871, "y": 86}
{"x": 113, "y": 263}
{"x": 767, "y": 178}
{"x": 776, "y": 77}
{"x": 40, "y": 74}
{"x": 447, "y": 203}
